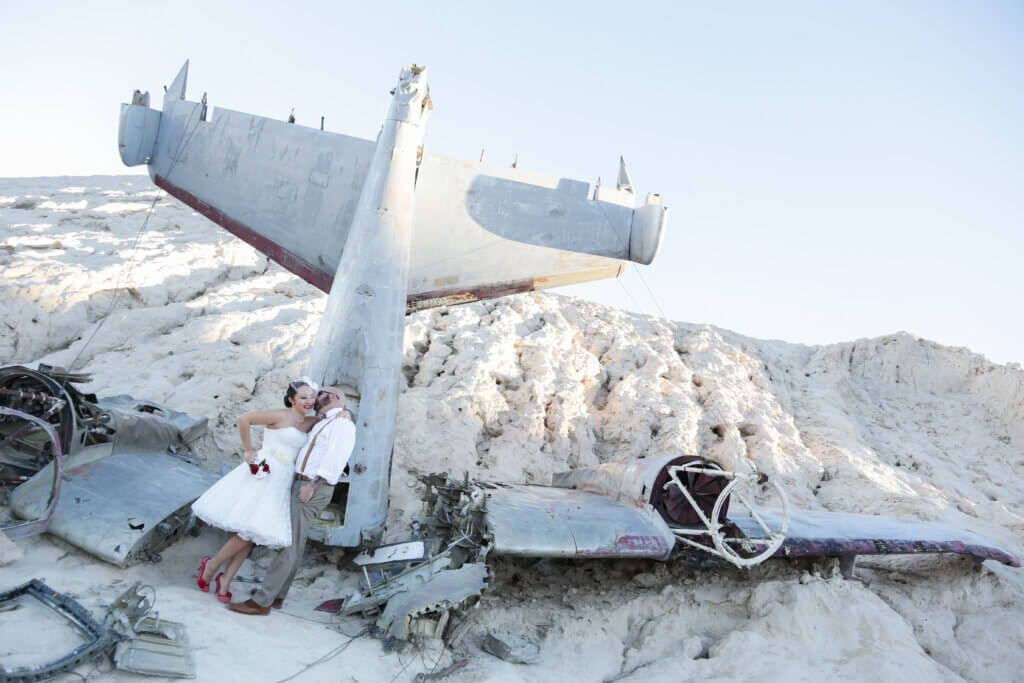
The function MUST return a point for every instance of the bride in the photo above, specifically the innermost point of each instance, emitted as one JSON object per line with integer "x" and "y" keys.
{"x": 252, "y": 500}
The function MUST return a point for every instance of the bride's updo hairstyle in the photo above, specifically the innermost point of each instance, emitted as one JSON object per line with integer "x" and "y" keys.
{"x": 294, "y": 386}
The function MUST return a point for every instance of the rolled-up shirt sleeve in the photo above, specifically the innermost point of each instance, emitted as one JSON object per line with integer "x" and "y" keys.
{"x": 334, "y": 454}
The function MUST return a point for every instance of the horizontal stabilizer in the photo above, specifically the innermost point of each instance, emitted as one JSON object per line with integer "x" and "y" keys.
{"x": 478, "y": 231}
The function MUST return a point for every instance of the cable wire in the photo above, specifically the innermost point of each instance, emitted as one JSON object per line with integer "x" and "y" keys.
{"x": 660, "y": 310}
{"x": 330, "y": 655}
{"x": 138, "y": 236}
{"x": 639, "y": 309}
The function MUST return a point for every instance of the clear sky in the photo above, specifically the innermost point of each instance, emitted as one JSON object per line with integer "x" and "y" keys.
{"x": 832, "y": 170}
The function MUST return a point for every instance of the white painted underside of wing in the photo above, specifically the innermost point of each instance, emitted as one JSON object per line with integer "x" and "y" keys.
{"x": 481, "y": 228}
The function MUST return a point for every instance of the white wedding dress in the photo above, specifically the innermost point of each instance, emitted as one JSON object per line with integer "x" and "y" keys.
{"x": 258, "y": 510}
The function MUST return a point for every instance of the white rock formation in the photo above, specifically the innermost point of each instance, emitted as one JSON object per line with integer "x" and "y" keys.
{"x": 516, "y": 389}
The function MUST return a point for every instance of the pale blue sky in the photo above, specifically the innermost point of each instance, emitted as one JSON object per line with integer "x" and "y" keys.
{"x": 833, "y": 170}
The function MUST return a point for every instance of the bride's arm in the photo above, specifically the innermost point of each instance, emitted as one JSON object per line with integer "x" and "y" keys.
{"x": 257, "y": 417}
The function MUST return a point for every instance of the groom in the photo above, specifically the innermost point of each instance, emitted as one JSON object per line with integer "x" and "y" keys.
{"x": 318, "y": 466}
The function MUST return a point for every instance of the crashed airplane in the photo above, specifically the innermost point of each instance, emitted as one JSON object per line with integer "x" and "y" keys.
{"x": 387, "y": 228}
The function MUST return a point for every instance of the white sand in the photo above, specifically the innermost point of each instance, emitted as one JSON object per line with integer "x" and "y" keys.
{"x": 516, "y": 389}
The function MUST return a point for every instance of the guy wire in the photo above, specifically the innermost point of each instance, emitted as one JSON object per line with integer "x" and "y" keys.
{"x": 131, "y": 264}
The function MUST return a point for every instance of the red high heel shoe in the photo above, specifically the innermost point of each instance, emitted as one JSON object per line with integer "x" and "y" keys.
{"x": 203, "y": 585}
{"x": 223, "y": 597}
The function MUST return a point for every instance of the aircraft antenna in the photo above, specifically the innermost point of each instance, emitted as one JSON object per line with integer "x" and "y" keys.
{"x": 624, "y": 182}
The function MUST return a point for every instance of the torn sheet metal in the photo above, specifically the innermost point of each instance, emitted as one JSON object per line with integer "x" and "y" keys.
{"x": 121, "y": 508}
{"x": 424, "y": 609}
{"x": 23, "y": 446}
{"x": 117, "y": 472}
{"x": 834, "y": 534}
{"x": 541, "y": 521}
{"x": 158, "y": 648}
{"x": 144, "y": 426}
{"x": 148, "y": 644}
{"x": 383, "y": 585}
{"x": 410, "y": 551}
{"x": 38, "y": 523}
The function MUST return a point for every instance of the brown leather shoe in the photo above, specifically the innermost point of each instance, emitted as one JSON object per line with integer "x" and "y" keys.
{"x": 278, "y": 603}
{"x": 250, "y": 606}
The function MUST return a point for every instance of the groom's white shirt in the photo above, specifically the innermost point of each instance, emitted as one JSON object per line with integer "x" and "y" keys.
{"x": 331, "y": 449}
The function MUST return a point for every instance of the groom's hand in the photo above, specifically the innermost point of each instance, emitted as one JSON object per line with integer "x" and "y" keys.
{"x": 306, "y": 492}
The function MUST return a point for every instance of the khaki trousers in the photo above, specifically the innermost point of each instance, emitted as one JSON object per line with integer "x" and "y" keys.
{"x": 286, "y": 562}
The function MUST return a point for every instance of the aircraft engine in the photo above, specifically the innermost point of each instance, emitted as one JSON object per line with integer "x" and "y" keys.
{"x": 23, "y": 445}
{"x": 644, "y": 482}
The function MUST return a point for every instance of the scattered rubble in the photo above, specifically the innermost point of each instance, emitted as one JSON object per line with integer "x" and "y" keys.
{"x": 512, "y": 647}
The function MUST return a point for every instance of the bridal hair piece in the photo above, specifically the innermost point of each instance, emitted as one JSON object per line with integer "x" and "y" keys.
{"x": 295, "y": 385}
{"x": 304, "y": 381}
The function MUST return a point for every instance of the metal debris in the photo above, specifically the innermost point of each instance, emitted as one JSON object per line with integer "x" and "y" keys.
{"x": 158, "y": 648}
{"x": 98, "y": 638}
{"x": 424, "y": 610}
{"x": 512, "y": 647}
{"x": 39, "y": 522}
{"x": 144, "y": 644}
{"x": 113, "y": 476}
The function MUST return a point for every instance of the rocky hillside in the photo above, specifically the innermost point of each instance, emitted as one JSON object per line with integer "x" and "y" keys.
{"x": 172, "y": 309}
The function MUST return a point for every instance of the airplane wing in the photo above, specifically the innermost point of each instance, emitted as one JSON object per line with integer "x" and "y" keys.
{"x": 822, "y": 533}
{"x": 290, "y": 191}
{"x": 481, "y": 231}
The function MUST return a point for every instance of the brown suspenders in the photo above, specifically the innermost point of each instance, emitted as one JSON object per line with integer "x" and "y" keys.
{"x": 309, "y": 450}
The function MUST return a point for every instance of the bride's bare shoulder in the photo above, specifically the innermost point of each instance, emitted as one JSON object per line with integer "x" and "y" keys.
{"x": 275, "y": 418}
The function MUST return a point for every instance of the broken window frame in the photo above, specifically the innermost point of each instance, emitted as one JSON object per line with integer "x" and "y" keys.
{"x": 98, "y": 638}
{"x": 38, "y": 526}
